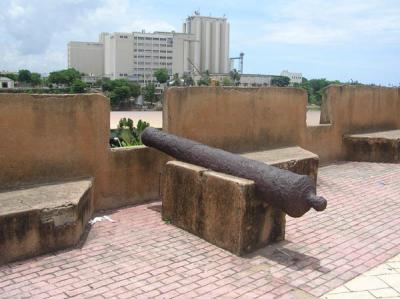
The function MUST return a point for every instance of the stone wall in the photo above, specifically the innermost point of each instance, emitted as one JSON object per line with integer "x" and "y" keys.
{"x": 248, "y": 119}
{"x": 236, "y": 119}
{"x": 48, "y": 138}
{"x": 351, "y": 109}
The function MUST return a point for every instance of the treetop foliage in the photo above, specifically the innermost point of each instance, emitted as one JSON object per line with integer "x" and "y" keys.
{"x": 161, "y": 75}
{"x": 314, "y": 88}
{"x": 120, "y": 90}
{"x": 149, "y": 93}
{"x": 281, "y": 81}
{"x": 64, "y": 76}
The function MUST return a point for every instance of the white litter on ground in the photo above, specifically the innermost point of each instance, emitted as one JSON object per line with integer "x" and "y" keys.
{"x": 99, "y": 219}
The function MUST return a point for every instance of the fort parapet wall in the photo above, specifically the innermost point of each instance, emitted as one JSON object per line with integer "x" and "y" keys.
{"x": 249, "y": 119}
{"x": 49, "y": 138}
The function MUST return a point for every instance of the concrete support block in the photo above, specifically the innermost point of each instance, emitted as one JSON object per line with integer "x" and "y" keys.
{"x": 222, "y": 209}
{"x": 43, "y": 218}
{"x": 373, "y": 147}
{"x": 225, "y": 210}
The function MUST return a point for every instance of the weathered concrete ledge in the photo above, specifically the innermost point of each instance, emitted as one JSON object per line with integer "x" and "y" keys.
{"x": 381, "y": 146}
{"x": 225, "y": 210}
{"x": 43, "y": 218}
{"x": 294, "y": 158}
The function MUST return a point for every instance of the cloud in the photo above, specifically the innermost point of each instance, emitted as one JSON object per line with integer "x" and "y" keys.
{"x": 34, "y": 33}
{"x": 316, "y": 22}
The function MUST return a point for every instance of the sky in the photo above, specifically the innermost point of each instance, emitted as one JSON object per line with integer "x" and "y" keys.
{"x": 333, "y": 39}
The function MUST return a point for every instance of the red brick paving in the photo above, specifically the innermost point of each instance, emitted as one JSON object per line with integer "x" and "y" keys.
{"x": 139, "y": 256}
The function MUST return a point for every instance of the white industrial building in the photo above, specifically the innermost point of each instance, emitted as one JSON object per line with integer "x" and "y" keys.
{"x": 87, "y": 57}
{"x": 211, "y": 52}
{"x": 246, "y": 80}
{"x": 294, "y": 77}
{"x": 6, "y": 82}
{"x": 203, "y": 45}
{"x": 136, "y": 55}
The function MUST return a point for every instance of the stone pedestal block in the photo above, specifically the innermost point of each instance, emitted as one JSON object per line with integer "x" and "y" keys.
{"x": 222, "y": 209}
{"x": 225, "y": 210}
{"x": 381, "y": 146}
{"x": 43, "y": 218}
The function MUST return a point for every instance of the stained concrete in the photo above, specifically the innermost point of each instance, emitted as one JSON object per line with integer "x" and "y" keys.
{"x": 43, "y": 218}
{"x": 292, "y": 158}
{"x": 383, "y": 146}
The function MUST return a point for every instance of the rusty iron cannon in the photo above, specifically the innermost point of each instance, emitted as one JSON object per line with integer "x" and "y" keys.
{"x": 293, "y": 193}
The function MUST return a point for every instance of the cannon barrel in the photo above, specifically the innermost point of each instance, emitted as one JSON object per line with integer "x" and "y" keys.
{"x": 293, "y": 193}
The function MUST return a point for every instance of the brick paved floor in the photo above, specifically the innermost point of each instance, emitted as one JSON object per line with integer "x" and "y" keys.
{"x": 139, "y": 256}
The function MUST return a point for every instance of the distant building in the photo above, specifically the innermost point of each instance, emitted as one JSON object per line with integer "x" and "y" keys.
{"x": 246, "y": 80}
{"x": 6, "y": 83}
{"x": 203, "y": 45}
{"x": 211, "y": 52}
{"x": 136, "y": 55}
{"x": 86, "y": 57}
{"x": 255, "y": 80}
{"x": 294, "y": 77}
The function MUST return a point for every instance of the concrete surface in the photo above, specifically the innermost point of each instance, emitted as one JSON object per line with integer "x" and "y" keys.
{"x": 141, "y": 256}
{"x": 44, "y": 218}
{"x": 293, "y": 158}
{"x": 383, "y": 146}
{"x": 382, "y": 281}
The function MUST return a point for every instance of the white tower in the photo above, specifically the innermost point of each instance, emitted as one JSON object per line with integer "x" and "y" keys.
{"x": 212, "y": 51}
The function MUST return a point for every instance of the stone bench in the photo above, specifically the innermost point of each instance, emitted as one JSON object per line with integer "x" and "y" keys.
{"x": 43, "y": 218}
{"x": 225, "y": 210}
{"x": 381, "y": 146}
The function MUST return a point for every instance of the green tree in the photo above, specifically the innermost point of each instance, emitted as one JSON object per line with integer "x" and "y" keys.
{"x": 227, "y": 81}
{"x": 120, "y": 90}
{"x": 119, "y": 94}
{"x": 106, "y": 85}
{"x": 24, "y": 76}
{"x": 135, "y": 89}
{"x": 205, "y": 79}
{"x": 281, "y": 81}
{"x": 78, "y": 86}
{"x": 127, "y": 134}
{"x": 149, "y": 93}
{"x": 36, "y": 79}
{"x": 64, "y": 76}
{"x": 125, "y": 123}
{"x": 12, "y": 76}
{"x": 161, "y": 75}
{"x": 235, "y": 76}
{"x": 176, "y": 81}
{"x": 187, "y": 80}
{"x": 137, "y": 132}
